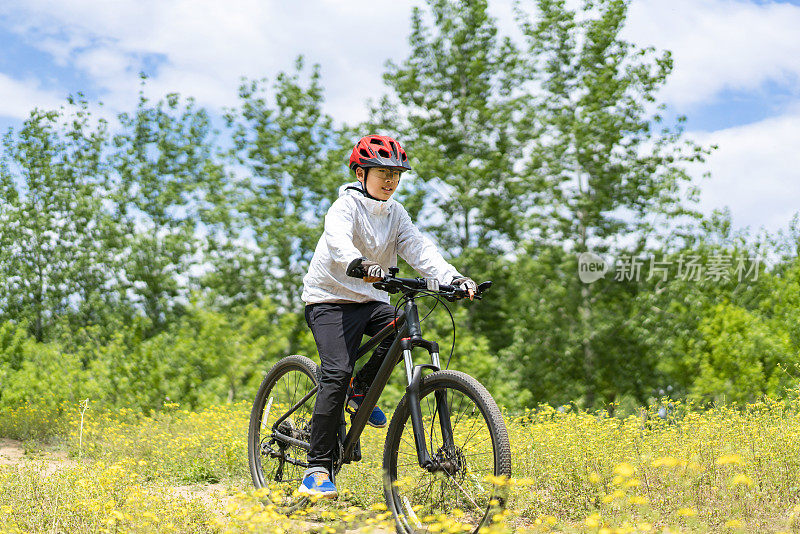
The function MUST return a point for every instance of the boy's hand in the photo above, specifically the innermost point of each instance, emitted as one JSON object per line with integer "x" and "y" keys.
{"x": 466, "y": 284}
{"x": 373, "y": 270}
{"x": 369, "y": 271}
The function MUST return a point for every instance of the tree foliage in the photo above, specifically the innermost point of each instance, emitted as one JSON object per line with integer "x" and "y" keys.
{"x": 169, "y": 190}
{"x": 290, "y": 155}
{"x": 164, "y": 262}
{"x": 53, "y": 177}
{"x": 451, "y": 104}
{"x": 605, "y": 175}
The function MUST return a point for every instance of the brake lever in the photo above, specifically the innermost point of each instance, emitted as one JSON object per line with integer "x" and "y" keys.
{"x": 383, "y": 285}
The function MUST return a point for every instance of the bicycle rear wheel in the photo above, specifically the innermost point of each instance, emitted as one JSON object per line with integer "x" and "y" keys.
{"x": 467, "y": 486}
{"x": 273, "y": 459}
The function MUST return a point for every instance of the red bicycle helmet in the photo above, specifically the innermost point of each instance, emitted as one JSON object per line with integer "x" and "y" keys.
{"x": 379, "y": 151}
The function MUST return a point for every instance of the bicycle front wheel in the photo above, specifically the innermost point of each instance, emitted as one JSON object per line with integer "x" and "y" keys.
{"x": 467, "y": 483}
{"x": 273, "y": 459}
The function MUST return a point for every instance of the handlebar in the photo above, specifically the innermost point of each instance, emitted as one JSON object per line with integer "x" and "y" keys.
{"x": 393, "y": 284}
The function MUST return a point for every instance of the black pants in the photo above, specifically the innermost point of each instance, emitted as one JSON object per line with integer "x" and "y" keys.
{"x": 338, "y": 329}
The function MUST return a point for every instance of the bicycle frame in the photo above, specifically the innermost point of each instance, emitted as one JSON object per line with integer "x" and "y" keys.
{"x": 409, "y": 335}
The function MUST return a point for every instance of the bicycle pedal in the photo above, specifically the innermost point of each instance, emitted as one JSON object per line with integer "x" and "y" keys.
{"x": 355, "y": 456}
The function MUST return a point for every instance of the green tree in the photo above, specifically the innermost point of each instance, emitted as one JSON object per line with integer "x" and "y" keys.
{"x": 454, "y": 105}
{"x": 203, "y": 357}
{"x": 170, "y": 192}
{"x": 717, "y": 271}
{"x": 451, "y": 104}
{"x": 291, "y": 159}
{"x": 613, "y": 176}
{"x": 53, "y": 256}
{"x": 739, "y": 356}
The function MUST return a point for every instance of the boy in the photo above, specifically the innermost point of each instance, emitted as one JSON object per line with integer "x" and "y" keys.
{"x": 363, "y": 226}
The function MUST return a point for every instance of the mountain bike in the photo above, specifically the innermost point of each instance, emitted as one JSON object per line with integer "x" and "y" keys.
{"x": 447, "y": 449}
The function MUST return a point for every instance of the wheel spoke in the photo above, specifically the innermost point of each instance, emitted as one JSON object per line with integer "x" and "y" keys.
{"x": 458, "y": 479}
{"x": 465, "y": 492}
{"x": 291, "y": 382}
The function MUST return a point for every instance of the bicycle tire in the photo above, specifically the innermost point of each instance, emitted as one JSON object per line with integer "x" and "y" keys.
{"x": 279, "y": 468}
{"x": 407, "y": 514}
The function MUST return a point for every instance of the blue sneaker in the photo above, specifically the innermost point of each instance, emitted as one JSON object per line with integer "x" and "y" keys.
{"x": 354, "y": 399}
{"x": 318, "y": 483}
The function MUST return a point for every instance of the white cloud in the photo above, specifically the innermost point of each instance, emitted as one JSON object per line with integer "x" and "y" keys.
{"x": 719, "y": 44}
{"x": 19, "y": 97}
{"x": 202, "y": 47}
{"x": 205, "y": 46}
{"x": 755, "y": 172}
{"x": 103, "y": 64}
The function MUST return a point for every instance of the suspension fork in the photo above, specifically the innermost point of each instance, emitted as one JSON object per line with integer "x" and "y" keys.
{"x": 414, "y": 375}
{"x": 442, "y": 407}
{"x": 444, "y": 419}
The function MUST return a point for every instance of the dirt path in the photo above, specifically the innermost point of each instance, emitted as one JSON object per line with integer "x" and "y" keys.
{"x": 12, "y": 452}
{"x": 214, "y": 496}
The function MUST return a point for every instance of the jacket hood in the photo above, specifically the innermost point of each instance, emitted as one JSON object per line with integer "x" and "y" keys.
{"x": 376, "y": 207}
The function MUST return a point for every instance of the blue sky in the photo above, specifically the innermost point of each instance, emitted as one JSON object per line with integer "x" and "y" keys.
{"x": 736, "y": 76}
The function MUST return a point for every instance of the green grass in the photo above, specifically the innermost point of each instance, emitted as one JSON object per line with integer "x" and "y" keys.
{"x": 725, "y": 469}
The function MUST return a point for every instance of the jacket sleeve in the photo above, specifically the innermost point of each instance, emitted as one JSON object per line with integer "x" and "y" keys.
{"x": 421, "y": 253}
{"x": 338, "y": 233}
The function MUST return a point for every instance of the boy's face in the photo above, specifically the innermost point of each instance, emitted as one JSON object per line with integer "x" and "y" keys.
{"x": 381, "y": 181}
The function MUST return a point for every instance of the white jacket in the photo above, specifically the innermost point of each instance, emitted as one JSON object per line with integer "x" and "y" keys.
{"x": 357, "y": 226}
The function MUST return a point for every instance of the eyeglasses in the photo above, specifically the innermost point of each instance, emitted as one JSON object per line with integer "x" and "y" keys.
{"x": 388, "y": 175}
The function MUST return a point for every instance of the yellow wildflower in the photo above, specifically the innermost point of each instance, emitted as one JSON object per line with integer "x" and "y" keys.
{"x": 729, "y": 459}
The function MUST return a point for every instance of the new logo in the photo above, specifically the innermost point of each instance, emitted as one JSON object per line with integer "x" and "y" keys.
{"x": 591, "y": 267}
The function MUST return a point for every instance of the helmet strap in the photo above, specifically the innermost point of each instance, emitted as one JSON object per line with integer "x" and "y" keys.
{"x": 364, "y": 186}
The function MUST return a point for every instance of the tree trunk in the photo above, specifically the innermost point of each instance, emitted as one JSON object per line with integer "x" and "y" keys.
{"x": 589, "y": 361}
{"x": 585, "y": 314}
{"x": 38, "y": 302}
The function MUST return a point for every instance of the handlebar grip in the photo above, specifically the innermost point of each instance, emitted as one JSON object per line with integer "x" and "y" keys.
{"x": 355, "y": 270}
{"x": 482, "y": 287}
{"x": 462, "y": 293}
